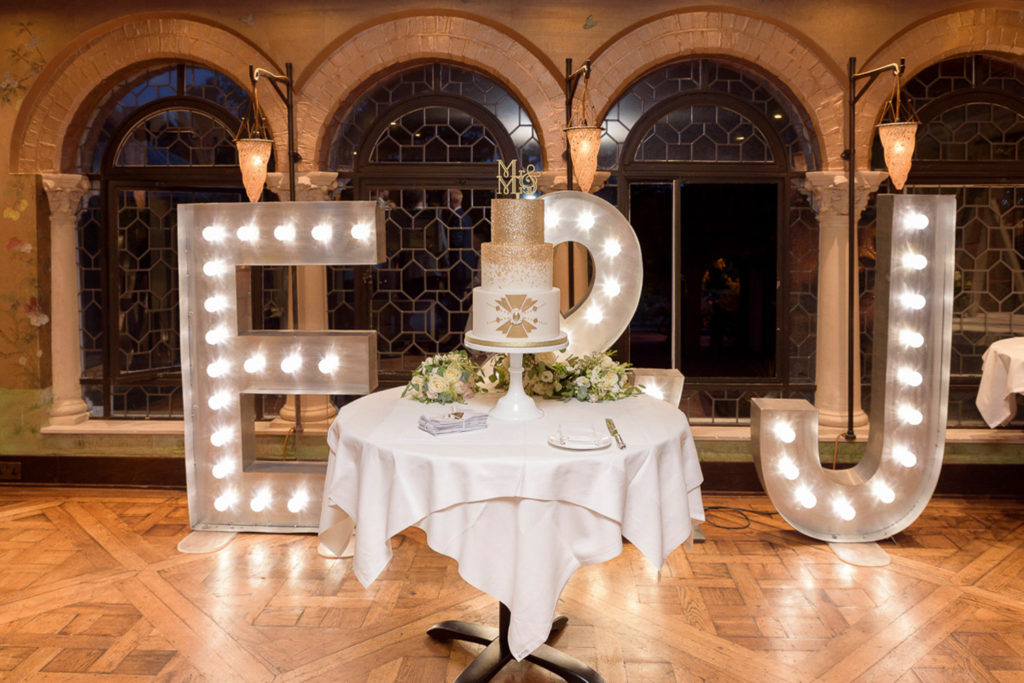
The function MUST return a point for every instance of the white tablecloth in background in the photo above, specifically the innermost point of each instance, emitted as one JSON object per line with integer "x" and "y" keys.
{"x": 518, "y": 515}
{"x": 1002, "y": 378}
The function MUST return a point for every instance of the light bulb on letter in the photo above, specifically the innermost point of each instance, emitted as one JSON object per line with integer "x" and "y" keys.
{"x": 219, "y": 400}
{"x": 788, "y": 468}
{"x": 214, "y": 268}
{"x": 291, "y": 363}
{"x": 916, "y": 221}
{"x": 842, "y": 507}
{"x": 328, "y": 364}
{"x": 883, "y": 492}
{"x": 904, "y": 456}
{"x": 654, "y": 391}
{"x": 322, "y": 232}
{"x": 260, "y": 501}
{"x": 912, "y": 300}
{"x": 914, "y": 340}
{"x": 805, "y": 497}
{"x": 216, "y": 303}
{"x": 909, "y": 377}
{"x": 611, "y": 288}
{"x": 914, "y": 261}
{"x": 224, "y": 501}
{"x": 585, "y": 221}
{"x": 255, "y": 363}
{"x": 223, "y": 469}
{"x": 217, "y": 368}
{"x": 217, "y": 335}
{"x": 594, "y": 314}
{"x": 248, "y": 233}
{"x": 221, "y": 436}
{"x": 297, "y": 503}
{"x": 612, "y": 248}
{"x": 361, "y": 231}
{"x": 284, "y": 233}
{"x": 784, "y": 432}
{"x": 214, "y": 233}
{"x": 910, "y": 414}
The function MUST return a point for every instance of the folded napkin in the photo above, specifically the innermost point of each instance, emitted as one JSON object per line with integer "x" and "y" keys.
{"x": 456, "y": 421}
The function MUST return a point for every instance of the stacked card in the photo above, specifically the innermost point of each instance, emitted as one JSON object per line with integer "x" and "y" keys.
{"x": 460, "y": 421}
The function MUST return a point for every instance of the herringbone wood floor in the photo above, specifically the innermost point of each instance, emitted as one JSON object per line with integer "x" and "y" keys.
{"x": 92, "y": 587}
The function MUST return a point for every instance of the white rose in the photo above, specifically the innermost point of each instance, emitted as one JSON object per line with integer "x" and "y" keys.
{"x": 451, "y": 373}
{"x": 607, "y": 362}
{"x": 437, "y": 384}
{"x": 547, "y": 376}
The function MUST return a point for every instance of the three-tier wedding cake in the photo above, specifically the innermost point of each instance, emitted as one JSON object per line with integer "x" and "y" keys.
{"x": 516, "y": 305}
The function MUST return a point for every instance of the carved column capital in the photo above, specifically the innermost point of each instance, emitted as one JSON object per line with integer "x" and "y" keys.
{"x": 314, "y": 186}
{"x": 828, "y": 191}
{"x": 64, "y": 191}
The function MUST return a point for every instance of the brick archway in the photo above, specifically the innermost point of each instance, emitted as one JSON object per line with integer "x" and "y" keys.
{"x": 953, "y": 33}
{"x": 357, "y": 57}
{"x": 795, "y": 60}
{"x": 71, "y": 82}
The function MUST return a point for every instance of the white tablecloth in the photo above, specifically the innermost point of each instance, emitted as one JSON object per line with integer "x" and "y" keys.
{"x": 518, "y": 515}
{"x": 1002, "y": 378}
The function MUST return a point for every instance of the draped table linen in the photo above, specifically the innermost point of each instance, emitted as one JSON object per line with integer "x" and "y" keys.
{"x": 517, "y": 514}
{"x": 1002, "y": 378}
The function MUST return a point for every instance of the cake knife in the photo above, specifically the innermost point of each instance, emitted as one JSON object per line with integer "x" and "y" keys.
{"x": 614, "y": 432}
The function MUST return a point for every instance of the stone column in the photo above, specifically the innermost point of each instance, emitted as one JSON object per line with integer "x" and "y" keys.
{"x": 828, "y": 192}
{"x": 312, "y": 288}
{"x": 63, "y": 193}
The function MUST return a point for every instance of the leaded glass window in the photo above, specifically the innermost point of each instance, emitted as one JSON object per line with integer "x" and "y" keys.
{"x": 442, "y": 135}
{"x": 970, "y": 145}
{"x": 158, "y": 139}
{"x": 704, "y": 133}
{"x": 178, "y": 138}
{"x": 356, "y": 121}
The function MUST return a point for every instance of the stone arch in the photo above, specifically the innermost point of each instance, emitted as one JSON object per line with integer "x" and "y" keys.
{"x": 997, "y": 30}
{"x": 359, "y": 56}
{"x": 70, "y": 82}
{"x": 795, "y": 60}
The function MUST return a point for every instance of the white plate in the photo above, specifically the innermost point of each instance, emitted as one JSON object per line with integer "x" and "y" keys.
{"x": 579, "y": 444}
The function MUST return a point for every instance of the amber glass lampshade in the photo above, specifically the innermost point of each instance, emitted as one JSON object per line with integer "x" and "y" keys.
{"x": 253, "y": 156}
{"x": 584, "y": 143}
{"x": 898, "y": 141}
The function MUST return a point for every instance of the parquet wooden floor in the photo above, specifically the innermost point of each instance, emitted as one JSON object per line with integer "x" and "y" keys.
{"x": 92, "y": 587}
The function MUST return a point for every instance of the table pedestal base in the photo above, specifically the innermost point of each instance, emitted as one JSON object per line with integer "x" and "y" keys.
{"x": 496, "y": 655}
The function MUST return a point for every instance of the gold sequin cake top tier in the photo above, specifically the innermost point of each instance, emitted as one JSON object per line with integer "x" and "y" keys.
{"x": 517, "y": 221}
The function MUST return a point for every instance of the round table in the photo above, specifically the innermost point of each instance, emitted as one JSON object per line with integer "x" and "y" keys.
{"x": 518, "y": 514}
{"x": 1002, "y": 378}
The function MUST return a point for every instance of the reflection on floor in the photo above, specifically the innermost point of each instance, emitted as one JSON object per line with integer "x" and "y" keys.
{"x": 91, "y": 586}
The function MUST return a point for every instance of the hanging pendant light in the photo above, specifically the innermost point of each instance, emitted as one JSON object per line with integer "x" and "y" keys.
{"x": 584, "y": 139}
{"x": 253, "y": 156}
{"x": 584, "y": 143}
{"x": 254, "y": 148}
{"x": 898, "y": 138}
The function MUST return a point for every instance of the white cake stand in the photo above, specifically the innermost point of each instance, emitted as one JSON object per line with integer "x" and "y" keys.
{"x": 515, "y": 405}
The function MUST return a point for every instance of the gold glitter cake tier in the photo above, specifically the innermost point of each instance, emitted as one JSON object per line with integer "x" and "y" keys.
{"x": 507, "y": 267}
{"x": 517, "y": 221}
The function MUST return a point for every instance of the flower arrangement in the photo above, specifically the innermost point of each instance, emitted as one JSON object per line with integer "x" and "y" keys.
{"x": 444, "y": 378}
{"x": 593, "y": 378}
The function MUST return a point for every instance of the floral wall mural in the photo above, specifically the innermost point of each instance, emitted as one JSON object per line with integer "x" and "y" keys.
{"x": 24, "y": 62}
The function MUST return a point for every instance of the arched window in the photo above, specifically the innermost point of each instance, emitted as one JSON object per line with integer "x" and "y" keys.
{"x": 970, "y": 144}
{"x": 425, "y": 141}
{"x": 158, "y": 139}
{"x": 705, "y": 157}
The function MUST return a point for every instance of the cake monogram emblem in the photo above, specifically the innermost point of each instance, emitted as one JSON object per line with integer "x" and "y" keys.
{"x": 513, "y": 182}
{"x": 513, "y": 315}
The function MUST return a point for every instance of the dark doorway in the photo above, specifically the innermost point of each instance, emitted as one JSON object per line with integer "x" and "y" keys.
{"x": 729, "y": 272}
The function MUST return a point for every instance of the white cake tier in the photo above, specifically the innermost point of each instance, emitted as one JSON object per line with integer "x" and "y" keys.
{"x": 516, "y": 320}
{"x": 517, "y": 221}
{"x": 515, "y": 267}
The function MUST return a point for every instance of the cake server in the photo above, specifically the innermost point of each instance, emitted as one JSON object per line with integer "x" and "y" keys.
{"x": 614, "y": 432}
